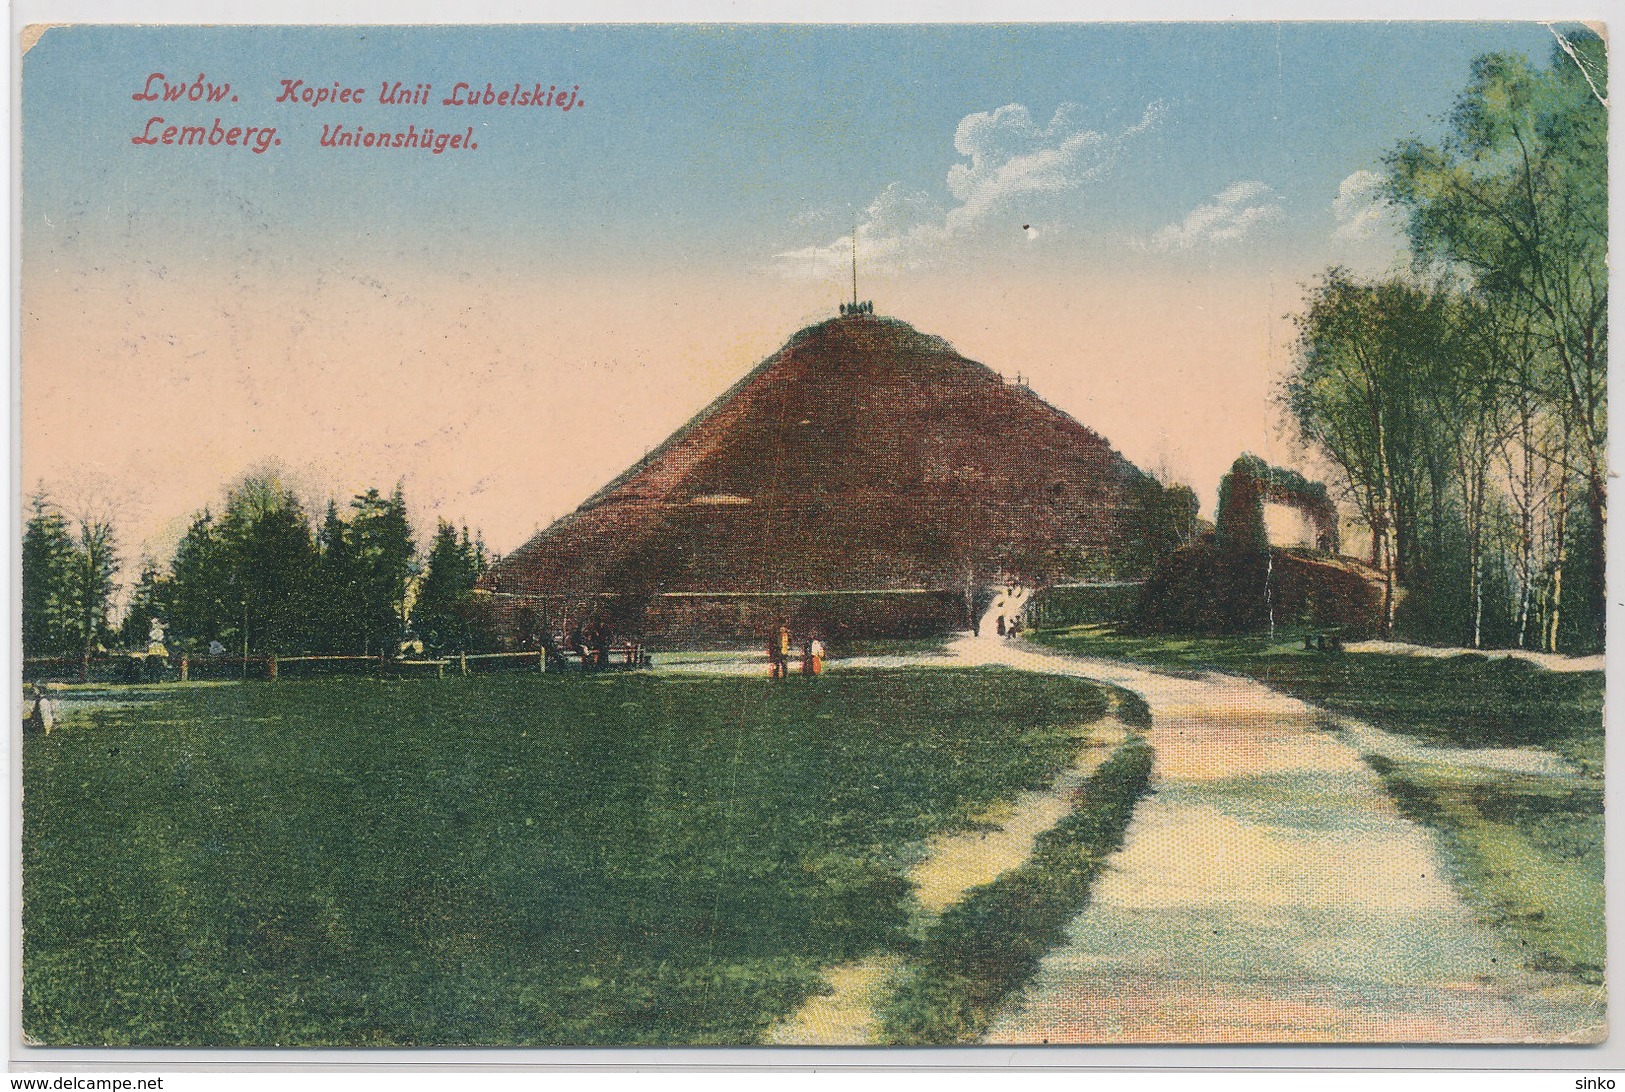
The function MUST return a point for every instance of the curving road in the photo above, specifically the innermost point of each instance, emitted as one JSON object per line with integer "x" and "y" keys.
{"x": 1268, "y": 891}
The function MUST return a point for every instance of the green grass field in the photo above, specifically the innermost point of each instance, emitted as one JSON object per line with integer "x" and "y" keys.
{"x": 503, "y": 860}
{"x": 1527, "y": 850}
{"x": 985, "y": 946}
{"x": 1462, "y": 701}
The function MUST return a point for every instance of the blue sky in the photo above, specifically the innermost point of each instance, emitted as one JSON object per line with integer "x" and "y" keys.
{"x": 725, "y": 143}
{"x": 1124, "y": 214}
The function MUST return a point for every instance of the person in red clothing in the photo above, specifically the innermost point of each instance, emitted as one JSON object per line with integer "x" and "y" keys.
{"x": 812, "y": 657}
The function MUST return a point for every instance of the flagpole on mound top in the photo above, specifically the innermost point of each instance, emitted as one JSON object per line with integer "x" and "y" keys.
{"x": 854, "y": 261}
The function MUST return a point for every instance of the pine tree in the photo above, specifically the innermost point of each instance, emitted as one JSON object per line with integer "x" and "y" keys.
{"x": 275, "y": 567}
{"x": 200, "y": 610}
{"x": 248, "y": 579}
{"x": 337, "y": 610}
{"x": 47, "y": 565}
{"x": 149, "y": 600}
{"x": 443, "y": 612}
{"x": 383, "y": 554}
{"x": 95, "y": 563}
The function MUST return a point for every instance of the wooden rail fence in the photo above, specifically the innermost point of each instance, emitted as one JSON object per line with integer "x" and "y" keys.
{"x": 140, "y": 667}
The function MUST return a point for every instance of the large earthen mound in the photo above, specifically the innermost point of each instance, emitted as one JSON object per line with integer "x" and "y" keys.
{"x": 863, "y": 456}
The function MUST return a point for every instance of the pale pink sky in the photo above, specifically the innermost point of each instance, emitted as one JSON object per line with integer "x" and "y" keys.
{"x": 1124, "y": 214}
{"x": 506, "y": 401}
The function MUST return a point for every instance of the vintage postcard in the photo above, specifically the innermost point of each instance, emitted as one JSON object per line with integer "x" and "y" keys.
{"x": 812, "y": 535}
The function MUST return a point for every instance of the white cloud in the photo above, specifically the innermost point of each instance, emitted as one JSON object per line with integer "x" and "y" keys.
{"x": 1008, "y": 157}
{"x": 896, "y": 225}
{"x": 1233, "y": 214}
{"x": 811, "y": 218}
{"x": 1359, "y": 206}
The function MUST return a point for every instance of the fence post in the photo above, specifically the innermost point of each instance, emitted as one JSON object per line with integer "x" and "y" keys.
{"x": 273, "y": 666}
{"x": 541, "y": 661}
{"x": 462, "y": 663}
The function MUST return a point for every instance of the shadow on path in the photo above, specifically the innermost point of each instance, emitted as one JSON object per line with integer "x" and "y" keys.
{"x": 1269, "y": 891}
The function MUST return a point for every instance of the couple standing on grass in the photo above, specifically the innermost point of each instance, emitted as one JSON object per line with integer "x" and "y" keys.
{"x": 779, "y": 644}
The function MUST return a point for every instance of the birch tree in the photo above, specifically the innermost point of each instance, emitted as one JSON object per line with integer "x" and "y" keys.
{"x": 1515, "y": 198}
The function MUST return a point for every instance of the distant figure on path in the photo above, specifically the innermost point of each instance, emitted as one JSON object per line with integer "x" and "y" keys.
{"x": 778, "y": 653}
{"x": 812, "y": 657}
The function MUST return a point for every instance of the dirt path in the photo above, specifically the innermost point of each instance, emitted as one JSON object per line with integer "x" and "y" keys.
{"x": 951, "y": 864}
{"x": 1268, "y": 891}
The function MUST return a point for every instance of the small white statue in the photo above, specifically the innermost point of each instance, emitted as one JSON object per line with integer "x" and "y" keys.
{"x": 39, "y": 714}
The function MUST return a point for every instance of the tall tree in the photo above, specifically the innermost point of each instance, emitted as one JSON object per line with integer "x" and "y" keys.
{"x": 248, "y": 579}
{"x": 338, "y": 603}
{"x": 1463, "y": 396}
{"x": 382, "y": 552}
{"x": 443, "y": 611}
{"x": 67, "y": 576}
{"x": 1364, "y": 350}
{"x": 273, "y": 567}
{"x": 200, "y": 590}
{"x": 49, "y": 612}
{"x": 149, "y": 599}
{"x": 1516, "y": 196}
{"x": 95, "y": 563}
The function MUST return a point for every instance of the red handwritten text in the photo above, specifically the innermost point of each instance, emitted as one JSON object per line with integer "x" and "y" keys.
{"x": 296, "y": 91}
{"x": 199, "y": 90}
{"x": 463, "y": 94}
{"x": 253, "y": 137}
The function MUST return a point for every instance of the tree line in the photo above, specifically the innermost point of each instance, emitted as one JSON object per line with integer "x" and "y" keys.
{"x": 67, "y": 581}
{"x": 1464, "y": 402}
{"x": 258, "y": 577}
